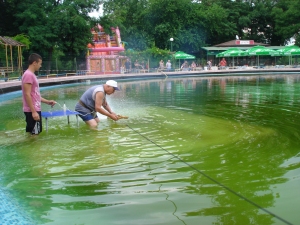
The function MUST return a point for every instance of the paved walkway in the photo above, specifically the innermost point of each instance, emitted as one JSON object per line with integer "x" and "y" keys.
{"x": 14, "y": 85}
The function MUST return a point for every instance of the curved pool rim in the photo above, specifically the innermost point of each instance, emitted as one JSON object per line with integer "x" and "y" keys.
{"x": 14, "y": 85}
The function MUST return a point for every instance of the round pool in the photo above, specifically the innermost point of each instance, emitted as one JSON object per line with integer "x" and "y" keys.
{"x": 195, "y": 150}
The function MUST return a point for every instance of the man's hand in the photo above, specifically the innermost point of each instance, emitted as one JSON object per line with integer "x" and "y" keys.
{"x": 51, "y": 102}
{"x": 114, "y": 116}
{"x": 122, "y": 117}
{"x": 35, "y": 116}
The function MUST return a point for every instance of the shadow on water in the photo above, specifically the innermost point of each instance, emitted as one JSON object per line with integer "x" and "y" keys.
{"x": 193, "y": 151}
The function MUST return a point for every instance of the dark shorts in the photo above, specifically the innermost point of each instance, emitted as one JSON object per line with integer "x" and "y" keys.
{"x": 84, "y": 113}
{"x": 33, "y": 126}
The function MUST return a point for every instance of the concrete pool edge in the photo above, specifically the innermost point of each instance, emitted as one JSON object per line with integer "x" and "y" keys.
{"x": 14, "y": 85}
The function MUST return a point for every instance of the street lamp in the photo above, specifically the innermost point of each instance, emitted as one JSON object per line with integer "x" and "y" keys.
{"x": 171, "y": 39}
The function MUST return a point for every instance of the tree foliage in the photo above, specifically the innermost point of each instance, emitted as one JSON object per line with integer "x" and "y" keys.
{"x": 52, "y": 25}
{"x": 286, "y": 14}
{"x": 23, "y": 39}
{"x": 62, "y": 27}
{"x": 194, "y": 24}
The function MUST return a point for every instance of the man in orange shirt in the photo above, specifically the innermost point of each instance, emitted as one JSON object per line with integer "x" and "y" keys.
{"x": 222, "y": 64}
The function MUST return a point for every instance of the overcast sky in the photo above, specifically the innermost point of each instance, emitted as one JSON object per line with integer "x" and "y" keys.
{"x": 97, "y": 13}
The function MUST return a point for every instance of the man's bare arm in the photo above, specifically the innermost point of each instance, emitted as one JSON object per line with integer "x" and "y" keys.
{"x": 98, "y": 106}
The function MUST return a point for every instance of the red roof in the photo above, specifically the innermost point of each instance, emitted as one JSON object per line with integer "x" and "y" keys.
{"x": 240, "y": 43}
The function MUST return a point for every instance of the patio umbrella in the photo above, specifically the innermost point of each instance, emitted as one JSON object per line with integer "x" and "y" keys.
{"x": 276, "y": 53}
{"x": 231, "y": 52}
{"x": 280, "y": 52}
{"x": 260, "y": 50}
{"x": 182, "y": 55}
{"x": 286, "y": 49}
{"x": 293, "y": 50}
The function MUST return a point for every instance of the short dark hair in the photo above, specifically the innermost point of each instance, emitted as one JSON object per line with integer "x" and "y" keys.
{"x": 34, "y": 57}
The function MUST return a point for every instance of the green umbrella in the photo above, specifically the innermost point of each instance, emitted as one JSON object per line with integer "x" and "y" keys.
{"x": 231, "y": 52}
{"x": 261, "y": 50}
{"x": 292, "y": 51}
{"x": 275, "y": 53}
{"x": 286, "y": 49}
{"x": 220, "y": 55}
{"x": 183, "y": 55}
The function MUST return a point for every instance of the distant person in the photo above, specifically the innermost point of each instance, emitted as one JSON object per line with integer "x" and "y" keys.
{"x": 136, "y": 65}
{"x": 142, "y": 65}
{"x": 161, "y": 65}
{"x": 209, "y": 64}
{"x": 223, "y": 64}
{"x": 169, "y": 65}
{"x": 93, "y": 100}
{"x": 185, "y": 66}
{"x": 193, "y": 65}
{"x": 32, "y": 97}
{"x": 127, "y": 65}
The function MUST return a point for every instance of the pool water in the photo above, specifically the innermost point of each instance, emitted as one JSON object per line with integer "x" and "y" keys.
{"x": 222, "y": 150}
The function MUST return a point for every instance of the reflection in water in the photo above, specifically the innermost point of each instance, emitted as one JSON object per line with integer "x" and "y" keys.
{"x": 214, "y": 181}
{"x": 240, "y": 132}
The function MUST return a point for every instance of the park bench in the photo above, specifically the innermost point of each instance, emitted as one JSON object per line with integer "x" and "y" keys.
{"x": 7, "y": 73}
{"x": 51, "y": 75}
{"x": 71, "y": 74}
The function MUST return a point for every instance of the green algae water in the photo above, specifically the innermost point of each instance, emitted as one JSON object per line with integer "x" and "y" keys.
{"x": 222, "y": 150}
